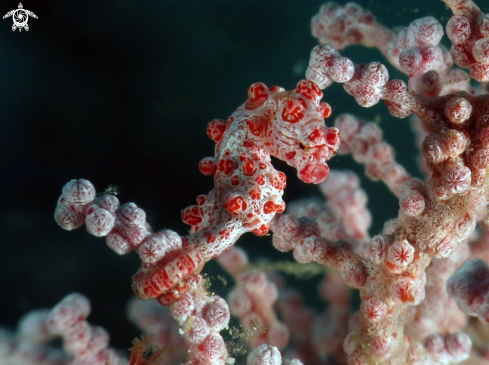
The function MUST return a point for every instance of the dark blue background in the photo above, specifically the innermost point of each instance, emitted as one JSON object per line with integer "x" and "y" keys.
{"x": 120, "y": 92}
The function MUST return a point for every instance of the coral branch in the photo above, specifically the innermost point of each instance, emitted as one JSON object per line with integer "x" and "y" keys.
{"x": 393, "y": 270}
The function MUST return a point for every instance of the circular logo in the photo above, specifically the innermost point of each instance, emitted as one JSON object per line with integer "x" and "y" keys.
{"x": 20, "y": 18}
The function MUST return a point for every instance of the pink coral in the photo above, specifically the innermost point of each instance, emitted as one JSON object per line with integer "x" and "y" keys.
{"x": 406, "y": 274}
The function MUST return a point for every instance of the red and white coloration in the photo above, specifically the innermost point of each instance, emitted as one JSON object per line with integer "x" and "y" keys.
{"x": 435, "y": 218}
{"x": 364, "y": 82}
{"x": 299, "y": 320}
{"x": 414, "y": 50}
{"x": 85, "y": 344}
{"x": 303, "y": 237}
{"x": 412, "y": 200}
{"x": 343, "y": 193}
{"x": 30, "y": 343}
{"x": 247, "y": 194}
{"x": 468, "y": 29}
{"x": 338, "y": 69}
{"x": 349, "y": 24}
{"x": 451, "y": 348}
{"x": 167, "y": 270}
{"x": 469, "y": 287}
{"x": 421, "y": 53}
{"x": 253, "y": 300}
{"x": 438, "y": 313}
{"x": 201, "y": 317}
{"x": 268, "y": 355}
{"x": 343, "y": 214}
{"x": 367, "y": 146}
{"x": 247, "y": 189}
{"x": 331, "y": 327}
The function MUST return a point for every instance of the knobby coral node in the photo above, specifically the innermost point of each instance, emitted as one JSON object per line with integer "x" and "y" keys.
{"x": 414, "y": 286}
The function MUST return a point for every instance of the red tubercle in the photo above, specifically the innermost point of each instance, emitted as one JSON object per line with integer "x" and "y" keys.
{"x": 226, "y": 166}
{"x": 192, "y": 215}
{"x": 235, "y": 205}
{"x": 277, "y": 183}
{"x": 255, "y": 157}
{"x": 458, "y": 110}
{"x": 162, "y": 277}
{"x": 480, "y": 51}
{"x": 317, "y": 136}
{"x": 293, "y": 111}
{"x": 262, "y": 230}
{"x": 257, "y": 95}
{"x": 309, "y": 90}
{"x": 276, "y": 89}
{"x": 282, "y": 177}
{"x": 248, "y": 166}
{"x": 187, "y": 245}
{"x": 216, "y": 129}
{"x": 255, "y": 194}
{"x": 314, "y": 173}
{"x": 271, "y": 207}
{"x": 333, "y": 137}
{"x": 326, "y": 109}
{"x": 201, "y": 200}
{"x": 260, "y": 180}
{"x": 464, "y": 222}
{"x": 257, "y": 125}
{"x": 208, "y": 166}
{"x": 171, "y": 296}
